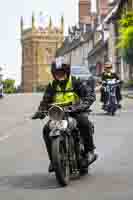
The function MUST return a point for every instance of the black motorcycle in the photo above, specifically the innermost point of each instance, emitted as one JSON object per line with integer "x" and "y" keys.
{"x": 66, "y": 144}
{"x": 111, "y": 104}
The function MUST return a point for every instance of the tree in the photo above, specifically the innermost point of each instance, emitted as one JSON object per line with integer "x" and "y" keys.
{"x": 126, "y": 37}
{"x": 9, "y": 86}
{"x": 40, "y": 88}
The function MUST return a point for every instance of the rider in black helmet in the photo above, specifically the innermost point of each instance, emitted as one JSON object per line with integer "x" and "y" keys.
{"x": 108, "y": 74}
{"x": 64, "y": 82}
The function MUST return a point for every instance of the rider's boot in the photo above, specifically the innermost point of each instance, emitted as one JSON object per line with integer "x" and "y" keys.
{"x": 119, "y": 106}
{"x": 50, "y": 168}
{"x": 103, "y": 106}
{"x": 89, "y": 158}
{"x": 92, "y": 157}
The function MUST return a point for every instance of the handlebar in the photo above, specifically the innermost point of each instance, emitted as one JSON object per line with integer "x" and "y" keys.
{"x": 113, "y": 83}
{"x": 67, "y": 109}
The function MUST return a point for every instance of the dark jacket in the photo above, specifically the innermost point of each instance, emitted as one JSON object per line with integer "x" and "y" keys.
{"x": 85, "y": 92}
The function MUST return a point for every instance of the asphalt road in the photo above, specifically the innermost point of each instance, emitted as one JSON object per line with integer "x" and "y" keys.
{"x": 24, "y": 161}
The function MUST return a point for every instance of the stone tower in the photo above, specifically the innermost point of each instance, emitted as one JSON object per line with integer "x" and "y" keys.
{"x": 39, "y": 45}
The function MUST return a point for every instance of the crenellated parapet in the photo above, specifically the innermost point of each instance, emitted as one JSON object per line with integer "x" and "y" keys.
{"x": 43, "y": 31}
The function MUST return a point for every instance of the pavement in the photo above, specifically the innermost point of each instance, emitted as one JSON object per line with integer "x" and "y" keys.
{"x": 24, "y": 160}
{"x": 129, "y": 94}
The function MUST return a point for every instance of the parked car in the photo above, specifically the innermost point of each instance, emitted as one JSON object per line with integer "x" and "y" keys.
{"x": 81, "y": 72}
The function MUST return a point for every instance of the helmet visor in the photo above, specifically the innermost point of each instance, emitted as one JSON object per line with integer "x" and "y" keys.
{"x": 59, "y": 73}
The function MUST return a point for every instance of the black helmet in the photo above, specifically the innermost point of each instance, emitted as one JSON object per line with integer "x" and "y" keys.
{"x": 60, "y": 66}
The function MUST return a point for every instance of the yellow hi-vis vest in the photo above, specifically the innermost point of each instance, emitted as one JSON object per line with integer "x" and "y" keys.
{"x": 66, "y": 97}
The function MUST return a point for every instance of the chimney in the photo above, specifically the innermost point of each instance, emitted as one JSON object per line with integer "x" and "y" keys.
{"x": 102, "y": 8}
{"x": 84, "y": 11}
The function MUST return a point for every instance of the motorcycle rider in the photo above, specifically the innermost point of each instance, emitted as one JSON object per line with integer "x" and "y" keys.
{"x": 108, "y": 74}
{"x": 65, "y": 87}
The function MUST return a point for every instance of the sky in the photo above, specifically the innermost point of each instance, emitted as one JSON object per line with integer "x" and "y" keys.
{"x": 10, "y": 13}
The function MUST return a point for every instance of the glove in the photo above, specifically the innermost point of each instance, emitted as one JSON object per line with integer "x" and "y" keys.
{"x": 78, "y": 108}
{"x": 38, "y": 115}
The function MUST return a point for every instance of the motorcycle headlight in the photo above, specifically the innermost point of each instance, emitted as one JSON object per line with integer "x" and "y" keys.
{"x": 61, "y": 125}
{"x": 56, "y": 113}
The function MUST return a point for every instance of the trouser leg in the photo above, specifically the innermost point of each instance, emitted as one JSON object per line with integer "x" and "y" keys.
{"x": 86, "y": 130}
{"x": 118, "y": 94}
{"x": 103, "y": 96}
{"x": 47, "y": 141}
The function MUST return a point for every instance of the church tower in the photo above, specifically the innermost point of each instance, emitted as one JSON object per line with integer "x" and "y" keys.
{"x": 39, "y": 46}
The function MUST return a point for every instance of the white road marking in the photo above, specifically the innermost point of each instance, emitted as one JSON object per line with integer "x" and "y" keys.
{"x": 18, "y": 124}
{"x": 5, "y": 137}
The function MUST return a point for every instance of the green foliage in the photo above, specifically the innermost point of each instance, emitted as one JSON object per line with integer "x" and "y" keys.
{"x": 126, "y": 37}
{"x": 40, "y": 88}
{"x": 9, "y": 86}
{"x": 127, "y": 20}
{"x": 128, "y": 84}
{"x": 127, "y": 54}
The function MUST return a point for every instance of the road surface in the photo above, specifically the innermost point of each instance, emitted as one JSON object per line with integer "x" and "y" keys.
{"x": 24, "y": 161}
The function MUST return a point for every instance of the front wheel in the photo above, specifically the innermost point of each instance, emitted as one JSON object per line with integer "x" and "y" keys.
{"x": 60, "y": 160}
{"x": 113, "y": 113}
{"x": 112, "y": 110}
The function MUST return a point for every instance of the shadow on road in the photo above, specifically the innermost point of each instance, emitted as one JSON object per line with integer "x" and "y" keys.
{"x": 30, "y": 181}
{"x": 99, "y": 114}
{"x": 103, "y": 114}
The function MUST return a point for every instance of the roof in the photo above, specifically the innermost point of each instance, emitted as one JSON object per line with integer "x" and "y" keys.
{"x": 98, "y": 47}
{"x": 112, "y": 12}
{"x": 115, "y": 10}
{"x": 68, "y": 46}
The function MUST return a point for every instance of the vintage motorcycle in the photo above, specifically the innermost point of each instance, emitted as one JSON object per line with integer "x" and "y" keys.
{"x": 66, "y": 144}
{"x": 111, "y": 104}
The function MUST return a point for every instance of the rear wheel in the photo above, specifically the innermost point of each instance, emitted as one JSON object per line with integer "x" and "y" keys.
{"x": 83, "y": 171}
{"x": 112, "y": 110}
{"x": 113, "y": 113}
{"x": 60, "y": 160}
{"x": 113, "y": 106}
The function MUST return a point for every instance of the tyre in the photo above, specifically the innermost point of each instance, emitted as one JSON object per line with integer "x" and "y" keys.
{"x": 83, "y": 171}
{"x": 113, "y": 113}
{"x": 60, "y": 160}
{"x": 113, "y": 110}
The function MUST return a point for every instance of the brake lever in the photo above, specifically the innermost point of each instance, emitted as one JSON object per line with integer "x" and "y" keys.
{"x": 68, "y": 109}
